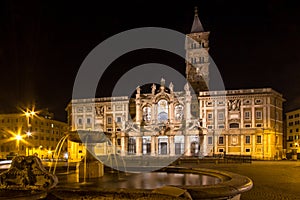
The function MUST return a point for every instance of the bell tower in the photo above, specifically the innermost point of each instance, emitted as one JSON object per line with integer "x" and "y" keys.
{"x": 197, "y": 57}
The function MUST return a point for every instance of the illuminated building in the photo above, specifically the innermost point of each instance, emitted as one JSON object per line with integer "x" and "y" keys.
{"x": 293, "y": 130}
{"x": 171, "y": 123}
{"x": 30, "y": 134}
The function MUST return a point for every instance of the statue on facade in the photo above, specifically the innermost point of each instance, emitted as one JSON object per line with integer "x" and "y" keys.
{"x": 138, "y": 90}
{"x": 162, "y": 82}
{"x": 153, "y": 88}
{"x": 234, "y": 105}
{"x": 99, "y": 111}
{"x": 171, "y": 86}
{"x": 187, "y": 87}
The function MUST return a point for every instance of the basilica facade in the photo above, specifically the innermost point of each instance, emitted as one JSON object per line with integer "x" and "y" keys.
{"x": 170, "y": 123}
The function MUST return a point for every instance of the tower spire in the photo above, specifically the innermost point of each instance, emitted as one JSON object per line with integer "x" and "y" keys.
{"x": 197, "y": 26}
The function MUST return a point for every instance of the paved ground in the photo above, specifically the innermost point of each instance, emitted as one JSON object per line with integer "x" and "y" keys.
{"x": 272, "y": 179}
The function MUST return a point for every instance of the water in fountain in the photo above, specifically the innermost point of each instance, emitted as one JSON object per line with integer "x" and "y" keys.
{"x": 57, "y": 153}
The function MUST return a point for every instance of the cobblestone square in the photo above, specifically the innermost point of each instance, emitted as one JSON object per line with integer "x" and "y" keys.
{"x": 273, "y": 180}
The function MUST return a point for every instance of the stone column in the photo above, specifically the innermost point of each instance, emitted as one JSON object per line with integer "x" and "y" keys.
{"x": 264, "y": 113}
{"x": 157, "y": 144}
{"x": 269, "y": 145}
{"x": 187, "y": 145}
{"x": 153, "y": 113}
{"x": 171, "y": 112}
{"x": 139, "y": 146}
{"x": 242, "y": 144}
{"x": 138, "y": 112}
{"x": 253, "y": 144}
{"x": 123, "y": 150}
{"x": 153, "y": 139}
{"x": 253, "y": 113}
{"x": 226, "y": 143}
{"x": 114, "y": 144}
{"x": 203, "y": 148}
{"x": 171, "y": 145}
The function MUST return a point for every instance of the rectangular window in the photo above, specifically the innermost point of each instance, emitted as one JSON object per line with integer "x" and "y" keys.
{"x": 258, "y": 125}
{"x": 248, "y": 138}
{"x": 296, "y": 115}
{"x": 221, "y": 126}
{"x": 291, "y": 130}
{"x": 248, "y": 150}
{"x": 209, "y": 116}
{"x": 88, "y": 120}
{"x": 248, "y": 125}
{"x": 131, "y": 145}
{"x": 209, "y": 140}
{"x": 297, "y": 130}
{"x": 109, "y": 129}
{"x": 290, "y": 138}
{"x": 258, "y": 139}
{"x": 247, "y": 115}
{"x": 297, "y": 122}
{"x": 291, "y": 117}
{"x": 109, "y": 120}
{"x": 220, "y": 116}
{"x": 221, "y": 150}
{"x": 119, "y": 119}
{"x": 209, "y": 126}
{"x": 258, "y": 115}
{"x": 291, "y": 123}
{"x": 221, "y": 140}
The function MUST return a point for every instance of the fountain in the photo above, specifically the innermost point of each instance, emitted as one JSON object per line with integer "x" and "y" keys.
{"x": 166, "y": 183}
{"x": 26, "y": 179}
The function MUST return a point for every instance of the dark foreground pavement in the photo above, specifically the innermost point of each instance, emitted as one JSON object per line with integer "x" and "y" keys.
{"x": 273, "y": 180}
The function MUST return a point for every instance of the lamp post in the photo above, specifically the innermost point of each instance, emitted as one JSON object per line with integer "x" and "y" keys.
{"x": 29, "y": 114}
{"x": 18, "y": 138}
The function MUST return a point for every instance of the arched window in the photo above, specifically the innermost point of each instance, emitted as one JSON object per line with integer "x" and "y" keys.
{"x": 162, "y": 110}
{"x": 147, "y": 114}
{"x": 178, "y": 112}
{"x": 131, "y": 145}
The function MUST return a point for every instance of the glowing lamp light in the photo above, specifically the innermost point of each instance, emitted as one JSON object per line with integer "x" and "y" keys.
{"x": 28, "y": 133}
{"x": 27, "y": 114}
{"x": 66, "y": 156}
{"x": 18, "y": 137}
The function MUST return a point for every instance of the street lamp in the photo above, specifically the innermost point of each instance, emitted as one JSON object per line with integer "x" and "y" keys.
{"x": 29, "y": 114}
{"x": 18, "y": 138}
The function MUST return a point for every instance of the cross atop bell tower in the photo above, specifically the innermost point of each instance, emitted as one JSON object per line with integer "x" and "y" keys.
{"x": 197, "y": 57}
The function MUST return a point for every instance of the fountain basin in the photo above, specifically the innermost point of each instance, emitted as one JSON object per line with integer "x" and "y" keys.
{"x": 223, "y": 185}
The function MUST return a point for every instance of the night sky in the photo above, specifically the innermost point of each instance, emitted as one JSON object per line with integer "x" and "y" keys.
{"x": 255, "y": 44}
